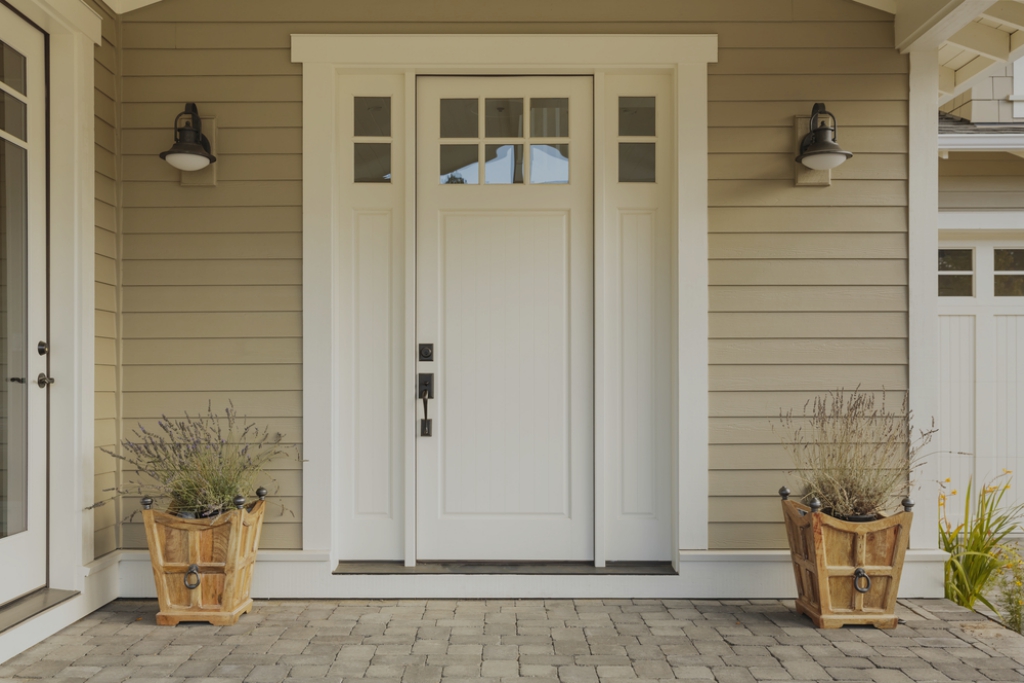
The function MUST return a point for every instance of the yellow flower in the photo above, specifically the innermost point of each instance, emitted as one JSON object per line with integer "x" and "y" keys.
{"x": 953, "y": 492}
{"x": 948, "y": 480}
{"x": 1006, "y": 471}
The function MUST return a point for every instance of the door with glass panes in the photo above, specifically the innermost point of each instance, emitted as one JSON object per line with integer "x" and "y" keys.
{"x": 23, "y": 301}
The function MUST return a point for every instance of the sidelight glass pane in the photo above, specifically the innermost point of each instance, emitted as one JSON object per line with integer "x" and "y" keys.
{"x": 460, "y": 165}
{"x": 504, "y": 118}
{"x": 372, "y": 162}
{"x": 372, "y": 117}
{"x": 956, "y": 259}
{"x": 12, "y": 115}
{"x": 12, "y": 68}
{"x": 549, "y": 164}
{"x": 1009, "y": 259}
{"x": 460, "y": 118}
{"x": 504, "y": 164}
{"x": 13, "y": 359}
{"x": 636, "y": 162}
{"x": 636, "y": 116}
{"x": 549, "y": 117}
{"x": 1009, "y": 285}
{"x": 956, "y": 285}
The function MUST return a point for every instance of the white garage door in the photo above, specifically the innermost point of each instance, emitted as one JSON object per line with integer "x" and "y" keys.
{"x": 981, "y": 345}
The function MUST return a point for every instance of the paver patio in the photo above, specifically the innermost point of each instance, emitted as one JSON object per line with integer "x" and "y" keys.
{"x": 571, "y": 641}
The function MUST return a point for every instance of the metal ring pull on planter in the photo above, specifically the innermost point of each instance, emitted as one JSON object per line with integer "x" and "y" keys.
{"x": 859, "y": 574}
{"x": 194, "y": 569}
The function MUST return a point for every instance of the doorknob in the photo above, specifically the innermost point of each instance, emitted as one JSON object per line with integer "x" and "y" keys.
{"x": 43, "y": 381}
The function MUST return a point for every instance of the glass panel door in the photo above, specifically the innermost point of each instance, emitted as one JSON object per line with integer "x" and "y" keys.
{"x": 22, "y": 308}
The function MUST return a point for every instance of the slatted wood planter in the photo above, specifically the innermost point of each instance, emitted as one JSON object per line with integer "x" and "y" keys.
{"x": 203, "y": 567}
{"x": 846, "y": 572}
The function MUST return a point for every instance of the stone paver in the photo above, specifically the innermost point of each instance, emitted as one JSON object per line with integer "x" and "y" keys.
{"x": 529, "y": 641}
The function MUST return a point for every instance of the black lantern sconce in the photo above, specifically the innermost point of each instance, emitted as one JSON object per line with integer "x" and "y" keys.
{"x": 191, "y": 149}
{"x": 818, "y": 149}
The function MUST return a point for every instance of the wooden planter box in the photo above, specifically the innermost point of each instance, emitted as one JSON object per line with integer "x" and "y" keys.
{"x": 846, "y": 572}
{"x": 203, "y": 567}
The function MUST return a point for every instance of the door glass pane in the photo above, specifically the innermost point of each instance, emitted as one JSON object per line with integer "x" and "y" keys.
{"x": 549, "y": 117}
{"x": 504, "y": 164}
{"x": 13, "y": 361}
{"x": 372, "y": 117}
{"x": 636, "y": 162}
{"x": 1009, "y": 285}
{"x": 636, "y": 116}
{"x": 956, "y": 259}
{"x": 459, "y": 165}
{"x": 372, "y": 162}
{"x": 549, "y": 164}
{"x": 1010, "y": 259}
{"x": 460, "y": 118}
{"x": 956, "y": 285}
{"x": 12, "y": 68}
{"x": 504, "y": 118}
{"x": 12, "y": 115}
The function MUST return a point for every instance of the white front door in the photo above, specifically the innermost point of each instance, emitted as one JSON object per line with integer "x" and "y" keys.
{"x": 504, "y": 258}
{"x": 22, "y": 307}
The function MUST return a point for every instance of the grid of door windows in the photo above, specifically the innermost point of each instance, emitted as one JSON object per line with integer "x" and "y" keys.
{"x": 958, "y": 274}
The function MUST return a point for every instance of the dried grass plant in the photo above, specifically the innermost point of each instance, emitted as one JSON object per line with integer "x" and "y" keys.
{"x": 852, "y": 452}
{"x": 197, "y": 465}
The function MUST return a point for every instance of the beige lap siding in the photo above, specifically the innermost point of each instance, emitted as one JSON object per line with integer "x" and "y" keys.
{"x": 808, "y": 285}
{"x": 981, "y": 181}
{"x": 107, "y": 83}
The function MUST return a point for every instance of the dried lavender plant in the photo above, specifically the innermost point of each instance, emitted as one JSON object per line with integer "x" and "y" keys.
{"x": 199, "y": 464}
{"x": 854, "y": 457}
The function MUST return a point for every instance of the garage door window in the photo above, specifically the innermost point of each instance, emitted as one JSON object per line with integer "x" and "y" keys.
{"x": 956, "y": 272}
{"x": 1009, "y": 275}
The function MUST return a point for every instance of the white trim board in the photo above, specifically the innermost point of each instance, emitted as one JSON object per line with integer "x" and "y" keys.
{"x": 324, "y": 57}
{"x": 980, "y": 142}
{"x": 981, "y": 220}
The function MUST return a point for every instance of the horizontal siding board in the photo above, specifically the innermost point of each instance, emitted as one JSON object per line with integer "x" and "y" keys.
{"x": 755, "y": 483}
{"x": 230, "y": 167}
{"x": 224, "y": 378}
{"x": 210, "y": 299}
{"x": 808, "y": 246}
{"x": 782, "y": 140}
{"x": 211, "y": 351}
{"x": 106, "y": 243}
{"x": 749, "y": 457}
{"x": 779, "y": 114}
{"x": 250, "y": 325}
{"x": 240, "y": 193}
{"x": 982, "y": 200}
{"x": 106, "y": 297}
{"x": 106, "y": 378}
{"x": 785, "y": 193}
{"x": 808, "y": 272}
{"x": 781, "y": 166}
{"x": 217, "y": 246}
{"x": 805, "y": 62}
{"x": 262, "y": 404}
{"x": 184, "y": 220}
{"x": 808, "y": 351}
{"x": 763, "y": 298}
{"x": 168, "y": 62}
{"x": 807, "y": 219}
{"x": 748, "y": 536}
{"x": 743, "y": 509}
{"x": 746, "y": 88}
{"x": 238, "y": 141}
{"x": 847, "y": 325}
{"x": 807, "y": 377}
{"x": 230, "y": 115}
{"x": 212, "y": 89}
{"x": 770, "y": 403}
{"x": 236, "y": 272}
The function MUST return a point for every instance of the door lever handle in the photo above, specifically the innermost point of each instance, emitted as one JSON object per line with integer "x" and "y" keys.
{"x": 43, "y": 381}
{"x": 425, "y": 423}
{"x": 18, "y": 380}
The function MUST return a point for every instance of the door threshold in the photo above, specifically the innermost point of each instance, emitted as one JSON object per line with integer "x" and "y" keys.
{"x": 522, "y": 568}
{"x": 28, "y": 606}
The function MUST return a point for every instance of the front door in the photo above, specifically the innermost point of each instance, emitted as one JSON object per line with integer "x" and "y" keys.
{"x": 504, "y": 258}
{"x": 22, "y": 307}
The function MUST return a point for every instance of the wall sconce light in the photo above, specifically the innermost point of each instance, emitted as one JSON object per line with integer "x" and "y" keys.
{"x": 191, "y": 149}
{"x": 818, "y": 149}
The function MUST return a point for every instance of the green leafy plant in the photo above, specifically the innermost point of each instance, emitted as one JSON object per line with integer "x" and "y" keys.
{"x": 976, "y": 546}
{"x": 198, "y": 465}
{"x": 853, "y": 455}
{"x": 1011, "y": 590}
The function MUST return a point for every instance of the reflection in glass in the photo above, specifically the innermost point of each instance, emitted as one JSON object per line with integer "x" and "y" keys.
{"x": 636, "y": 116}
{"x": 372, "y": 162}
{"x": 13, "y": 115}
{"x": 12, "y": 68}
{"x": 13, "y": 361}
{"x": 956, "y": 285}
{"x": 504, "y": 118}
{"x": 636, "y": 162}
{"x": 1010, "y": 259}
{"x": 956, "y": 259}
{"x": 549, "y": 117}
{"x": 460, "y": 118}
{"x": 460, "y": 165}
{"x": 372, "y": 117}
{"x": 549, "y": 164}
{"x": 503, "y": 164}
{"x": 1009, "y": 285}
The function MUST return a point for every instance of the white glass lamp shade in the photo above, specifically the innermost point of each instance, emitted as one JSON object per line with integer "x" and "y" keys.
{"x": 823, "y": 161}
{"x": 187, "y": 162}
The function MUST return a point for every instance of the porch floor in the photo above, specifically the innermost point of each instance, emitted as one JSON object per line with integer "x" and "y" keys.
{"x": 571, "y": 568}
{"x": 547, "y": 641}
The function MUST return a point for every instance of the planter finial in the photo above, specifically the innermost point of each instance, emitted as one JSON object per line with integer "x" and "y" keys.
{"x": 908, "y": 504}
{"x": 147, "y": 503}
{"x": 815, "y": 505}
{"x": 784, "y": 492}
{"x": 261, "y": 493}
{"x": 239, "y": 502}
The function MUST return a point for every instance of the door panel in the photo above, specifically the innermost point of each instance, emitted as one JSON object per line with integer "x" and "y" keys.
{"x": 505, "y": 293}
{"x": 22, "y": 308}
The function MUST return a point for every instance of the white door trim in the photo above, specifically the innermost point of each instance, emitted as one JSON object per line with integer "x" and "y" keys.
{"x": 323, "y": 58}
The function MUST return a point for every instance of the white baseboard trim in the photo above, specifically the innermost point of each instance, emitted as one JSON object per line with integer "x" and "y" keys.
{"x": 101, "y": 587}
{"x": 703, "y": 574}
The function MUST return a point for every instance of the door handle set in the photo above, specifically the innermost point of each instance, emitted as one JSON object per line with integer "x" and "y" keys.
{"x": 43, "y": 380}
{"x": 426, "y": 391}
